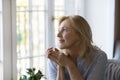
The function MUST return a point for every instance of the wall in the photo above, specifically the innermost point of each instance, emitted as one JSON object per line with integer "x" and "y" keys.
{"x": 100, "y": 15}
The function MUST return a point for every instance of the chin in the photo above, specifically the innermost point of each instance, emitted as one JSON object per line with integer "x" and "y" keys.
{"x": 61, "y": 47}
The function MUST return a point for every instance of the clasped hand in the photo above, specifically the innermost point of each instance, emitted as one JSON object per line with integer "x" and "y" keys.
{"x": 58, "y": 57}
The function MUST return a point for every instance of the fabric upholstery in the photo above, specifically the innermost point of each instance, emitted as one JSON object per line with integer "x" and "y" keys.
{"x": 113, "y": 70}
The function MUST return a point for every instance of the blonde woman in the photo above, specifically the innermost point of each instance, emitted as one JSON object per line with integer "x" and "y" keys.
{"x": 78, "y": 58}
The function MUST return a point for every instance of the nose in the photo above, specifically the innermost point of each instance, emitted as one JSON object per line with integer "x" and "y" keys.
{"x": 59, "y": 34}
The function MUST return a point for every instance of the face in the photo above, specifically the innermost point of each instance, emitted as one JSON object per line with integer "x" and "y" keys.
{"x": 67, "y": 37}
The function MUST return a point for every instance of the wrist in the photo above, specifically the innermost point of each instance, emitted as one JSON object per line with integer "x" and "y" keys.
{"x": 60, "y": 67}
{"x": 71, "y": 65}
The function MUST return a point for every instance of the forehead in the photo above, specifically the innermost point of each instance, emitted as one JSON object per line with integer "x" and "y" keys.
{"x": 66, "y": 23}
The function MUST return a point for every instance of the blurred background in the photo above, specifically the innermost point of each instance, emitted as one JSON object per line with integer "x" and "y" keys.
{"x": 29, "y": 27}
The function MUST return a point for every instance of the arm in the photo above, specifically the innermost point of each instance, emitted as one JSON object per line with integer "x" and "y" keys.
{"x": 65, "y": 61}
{"x": 60, "y": 73}
{"x": 74, "y": 72}
{"x": 52, "y": 70}
{"x": 55, "y": 72}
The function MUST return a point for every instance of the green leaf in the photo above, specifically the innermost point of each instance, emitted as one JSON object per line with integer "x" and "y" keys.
{"x": 32, "y": 75}
{"x": 31, "y": 71}
{"x": 39, "y": 75}
{"x": 23, "y": 77}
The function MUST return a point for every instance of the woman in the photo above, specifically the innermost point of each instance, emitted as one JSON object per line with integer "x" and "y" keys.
{"x": 77, "y": 58}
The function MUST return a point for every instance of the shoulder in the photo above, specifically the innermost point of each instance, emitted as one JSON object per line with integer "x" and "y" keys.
{"x": 99, "y": 57}
{"x": 97, "y": 68}
{"x": 99, "y": 54}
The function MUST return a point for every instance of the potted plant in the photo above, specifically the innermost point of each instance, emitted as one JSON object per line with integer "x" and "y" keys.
{"x": 32, "y": 75}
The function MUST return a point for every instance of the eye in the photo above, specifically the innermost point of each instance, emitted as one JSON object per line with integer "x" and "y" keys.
{"x": 65, "y": 29}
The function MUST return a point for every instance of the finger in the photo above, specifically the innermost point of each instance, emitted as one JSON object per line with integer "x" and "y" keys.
{"x": 49, "y": 52}
{"x": 55, "y": 49}
{"x": 54, "y": 55}
{"x": 53, "y": 58}
{"x": 49, "y": 49}
{"x": 57, "y": 58}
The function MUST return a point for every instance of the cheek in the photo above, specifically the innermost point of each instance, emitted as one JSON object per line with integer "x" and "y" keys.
{"x": 70, "y": 38}
{"x": 67, "y": 36}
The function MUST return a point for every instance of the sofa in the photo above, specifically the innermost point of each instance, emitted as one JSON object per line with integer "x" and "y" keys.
{"x": 112, "y": 70}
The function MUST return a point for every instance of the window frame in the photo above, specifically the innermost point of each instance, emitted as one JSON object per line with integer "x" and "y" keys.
{"x": 7, "y": 39}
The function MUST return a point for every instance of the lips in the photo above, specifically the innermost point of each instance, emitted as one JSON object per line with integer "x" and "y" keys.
{"x": 61, "y": 41}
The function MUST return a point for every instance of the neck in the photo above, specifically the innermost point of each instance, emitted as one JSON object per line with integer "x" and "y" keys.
{"x": 74, "y": 52}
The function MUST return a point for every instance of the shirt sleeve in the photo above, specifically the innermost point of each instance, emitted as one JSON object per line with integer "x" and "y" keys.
{"x": 52, "y": 70}
{"x": 98, "y": 68}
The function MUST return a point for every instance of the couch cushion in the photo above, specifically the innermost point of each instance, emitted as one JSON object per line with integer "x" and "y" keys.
{"x": 113, "y": 70}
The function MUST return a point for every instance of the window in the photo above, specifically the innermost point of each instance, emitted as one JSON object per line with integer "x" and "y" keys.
{"x": 31, "y": 21}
